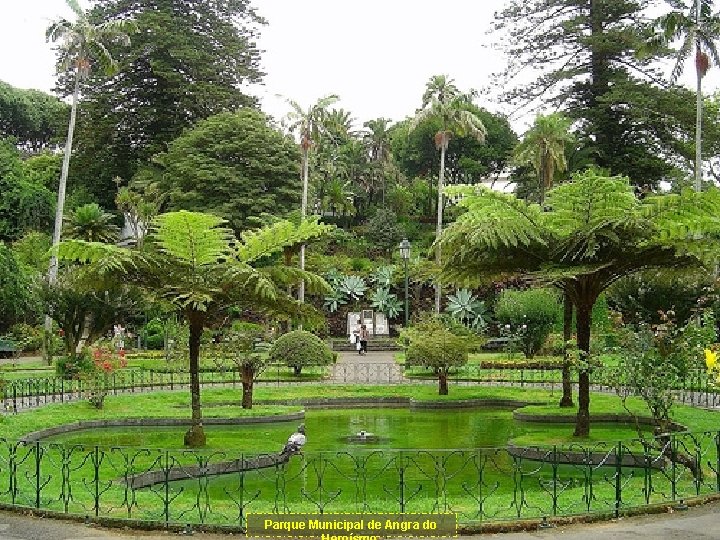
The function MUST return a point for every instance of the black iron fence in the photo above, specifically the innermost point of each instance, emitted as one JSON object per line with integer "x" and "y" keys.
{"x": 696, "y": 388}
{"x": 220, "y": 488}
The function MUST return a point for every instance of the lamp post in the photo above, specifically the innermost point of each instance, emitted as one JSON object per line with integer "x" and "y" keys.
{"x": 405, "y": 254}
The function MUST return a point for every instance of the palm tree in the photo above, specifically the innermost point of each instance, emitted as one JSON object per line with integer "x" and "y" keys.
{"x": 91, "y": 223}
{"x": 594, "y": 232}
{"x": 544, "y": 148}
{"x": 308, "y": 123}
{"x": 444, "y": 102}
{"x": 698, "y": 29}
{"x": 82, "y": 43}
{"x": 195, "y": 263}
{"x": 377, "y": 140}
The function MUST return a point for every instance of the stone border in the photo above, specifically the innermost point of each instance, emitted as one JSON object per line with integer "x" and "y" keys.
{"x": 144, "y": 422}
{"x": 611, "y": 418}
{"x": 574, "y": 457}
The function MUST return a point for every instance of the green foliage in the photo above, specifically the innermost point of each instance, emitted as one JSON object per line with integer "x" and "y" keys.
{"x": 532, "y": 313}
{"x": 432, "y": 345}
{"x": 26, "y": 203}
{"x": 91, "y": 223}
{"x": 386, "y": 302}
{"x": 353, "y": 287}
{"x": 199, "y": 56}
{"x": 300, "y": 348}
{"x": 16, "y": 301}
{"x": 33, "y": 118}
{"x": 153, "y": 335}
{"x": 384, "y": 231}
{"x": 32, "y": 252}
{"x": 75, "y": 366}
{"x": 201, "y": 172}
{"x": 585, "y": 57}
{"x": 27, "y": 337}
{"x": 466, "y": 308}
{"x": 643, "y": 297}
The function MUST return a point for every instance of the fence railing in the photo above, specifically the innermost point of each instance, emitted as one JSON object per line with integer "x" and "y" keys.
{"x": 693, "y": 389}
{"x": 482, "y": 485}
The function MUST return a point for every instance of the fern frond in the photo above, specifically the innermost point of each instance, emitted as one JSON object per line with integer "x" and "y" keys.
{"x": 274, "y": 238}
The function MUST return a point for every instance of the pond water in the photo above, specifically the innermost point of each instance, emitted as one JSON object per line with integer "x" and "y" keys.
{"x": 336, "y": 474}
{"x": 330, "y": 429}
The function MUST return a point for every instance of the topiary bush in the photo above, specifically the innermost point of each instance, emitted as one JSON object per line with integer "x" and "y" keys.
{"x": 434, "y": 346}
{"x": 300, "y": 348}
{"x": 531, "y": 315}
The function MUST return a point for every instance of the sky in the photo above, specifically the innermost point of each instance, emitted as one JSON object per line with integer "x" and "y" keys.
{"x": 376, "y": 55}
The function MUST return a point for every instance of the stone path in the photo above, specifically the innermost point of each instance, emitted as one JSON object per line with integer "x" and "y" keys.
{"x": 375, "y": 367}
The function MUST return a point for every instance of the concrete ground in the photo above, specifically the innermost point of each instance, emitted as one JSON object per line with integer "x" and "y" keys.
{"x": 699, "y": 523}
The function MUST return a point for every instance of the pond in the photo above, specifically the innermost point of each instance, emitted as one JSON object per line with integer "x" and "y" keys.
{"x": 424, "y": 461}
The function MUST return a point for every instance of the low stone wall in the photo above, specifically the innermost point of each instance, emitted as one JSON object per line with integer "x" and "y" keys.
{"x": 150, "y": 422}
{"x": 189, "y": 472}
{"x": 595, "y": 459}
{"x": 610, "y": 418}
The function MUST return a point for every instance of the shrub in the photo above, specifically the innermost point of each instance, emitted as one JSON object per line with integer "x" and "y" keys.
{"x": 300, "y": 348}
{"x": 434, "y": 346}
{"x": 75, "y": 367}
{"x": 153, "y": 335}
{"x": 28, "y": 338}
{"x": 384, "y": 230}
{"x": 531, "y": 315}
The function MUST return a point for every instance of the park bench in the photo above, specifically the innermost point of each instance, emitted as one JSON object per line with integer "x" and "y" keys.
{"x": 7, "y": 348}
{"x": 498, "y": 343}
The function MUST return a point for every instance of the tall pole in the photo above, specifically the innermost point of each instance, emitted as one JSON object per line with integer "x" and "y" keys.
{"x": 407, "y": 311}
{"x": 698, "y": 103}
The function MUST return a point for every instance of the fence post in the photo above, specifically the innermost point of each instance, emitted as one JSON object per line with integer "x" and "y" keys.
{"x": 673, "y": 468}
{"x": 37, "y": 474}
{"x": 96, "y": 480}
{"x": 618, "y": 478}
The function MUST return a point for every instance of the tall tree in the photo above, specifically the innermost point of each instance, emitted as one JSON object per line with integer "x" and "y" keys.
{"x": 83, "y": 43}
{"x": 191, "y": 60}
{"x": 583, "y": 57}
{"x": 543, "y": 147}
{"x": 308, "y": 124}
{"x": 35, "y": 119}
{"x": 595, "y": 231}
{"x": 698, "y": 30}
{"x": 201, "y": 172}
{"x": 443, "y": 101}
{"x": 377, "y": 141}
{"x": 192, "y": 261}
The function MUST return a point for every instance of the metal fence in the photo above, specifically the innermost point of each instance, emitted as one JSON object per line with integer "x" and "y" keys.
{"x": 694, "y": 389}
{"x": 170, "y": 487}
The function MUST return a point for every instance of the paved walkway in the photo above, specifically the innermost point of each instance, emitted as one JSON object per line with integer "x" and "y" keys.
{"x": 700, "y": 523}
{"x": 375, "y": 367}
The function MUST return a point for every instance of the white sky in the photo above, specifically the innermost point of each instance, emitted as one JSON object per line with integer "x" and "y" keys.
{"x": 375, "y": 54}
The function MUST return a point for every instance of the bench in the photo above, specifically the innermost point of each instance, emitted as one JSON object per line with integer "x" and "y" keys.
{"x": 498, "y": 343}
{"x": 7, "y": 348}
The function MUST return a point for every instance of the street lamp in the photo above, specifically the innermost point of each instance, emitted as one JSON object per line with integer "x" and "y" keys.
{"x": 405, "y": 254}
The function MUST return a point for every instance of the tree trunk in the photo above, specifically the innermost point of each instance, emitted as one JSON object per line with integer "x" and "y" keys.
{"x": 566, "y": 400}
{"x": 297, "y": 370}
{"x": 443, "y": 384}
{"x": 195, "y": 436}
{"x": 248, "y": 375}
{"x": 59, "y": 209}
{"x": 303, "y": 214}
{"x": 438, "y": 229}
{"x": 582, "y": 424}
{"x": 698, "y": 112}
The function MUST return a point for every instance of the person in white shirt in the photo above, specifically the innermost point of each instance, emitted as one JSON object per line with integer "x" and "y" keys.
{"x": 296, "y": 441}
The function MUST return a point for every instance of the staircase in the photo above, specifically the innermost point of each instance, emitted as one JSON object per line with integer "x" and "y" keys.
{"x": 380, "y": 343}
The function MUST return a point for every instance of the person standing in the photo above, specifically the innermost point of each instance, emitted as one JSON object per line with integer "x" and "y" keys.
{"x": 364, "y": 336}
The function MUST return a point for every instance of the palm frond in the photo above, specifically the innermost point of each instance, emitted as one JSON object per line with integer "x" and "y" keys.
{"x": 194, "y": 238}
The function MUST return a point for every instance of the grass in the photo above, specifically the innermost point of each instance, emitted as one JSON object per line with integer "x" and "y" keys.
{"x": 478, "y": 484}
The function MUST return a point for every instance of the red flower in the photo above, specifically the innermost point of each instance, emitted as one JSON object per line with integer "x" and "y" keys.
{"x": 121, "y": 353}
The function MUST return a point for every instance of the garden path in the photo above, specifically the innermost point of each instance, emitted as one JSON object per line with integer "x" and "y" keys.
{"x": 375, "y": 367}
